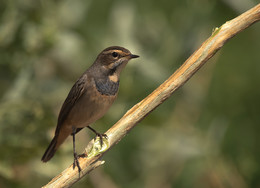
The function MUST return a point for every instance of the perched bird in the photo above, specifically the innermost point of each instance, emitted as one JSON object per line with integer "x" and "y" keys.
{"x": 90, "y": 98}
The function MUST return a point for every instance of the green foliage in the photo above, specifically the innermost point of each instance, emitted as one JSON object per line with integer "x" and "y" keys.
{"x": 206, "y": 135}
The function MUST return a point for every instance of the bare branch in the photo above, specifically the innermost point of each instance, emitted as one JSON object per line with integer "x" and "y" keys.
{"x": 218, "y": 38}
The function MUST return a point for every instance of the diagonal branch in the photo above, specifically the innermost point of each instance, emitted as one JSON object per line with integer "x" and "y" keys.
{"x": 218, "y": 38}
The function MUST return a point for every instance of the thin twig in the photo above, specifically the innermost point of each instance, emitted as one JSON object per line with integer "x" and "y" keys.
{"x": 218, "y": 38}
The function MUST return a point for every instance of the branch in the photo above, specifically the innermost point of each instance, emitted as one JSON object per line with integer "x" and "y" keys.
{"x": 218, "y": 38}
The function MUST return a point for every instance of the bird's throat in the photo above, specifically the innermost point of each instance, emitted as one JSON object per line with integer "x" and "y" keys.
{"x": 107, "y": 86}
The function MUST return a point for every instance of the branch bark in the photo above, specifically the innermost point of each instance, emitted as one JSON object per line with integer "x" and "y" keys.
{"x": 138, "y": 112}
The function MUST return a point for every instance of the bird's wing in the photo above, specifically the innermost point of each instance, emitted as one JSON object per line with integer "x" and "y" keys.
{"x": 74, "y": 95}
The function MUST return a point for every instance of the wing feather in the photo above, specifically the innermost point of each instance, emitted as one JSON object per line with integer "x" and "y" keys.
{"x": 74, "y": 95}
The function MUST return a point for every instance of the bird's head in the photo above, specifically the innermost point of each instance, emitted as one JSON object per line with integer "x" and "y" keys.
{"x": 112, "y": 60}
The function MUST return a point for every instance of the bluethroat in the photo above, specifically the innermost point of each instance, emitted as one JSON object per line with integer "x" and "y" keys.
{"x": 90, "y": 98}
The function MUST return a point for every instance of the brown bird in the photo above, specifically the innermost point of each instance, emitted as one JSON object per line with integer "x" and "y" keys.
{"x": 90, "y": 98}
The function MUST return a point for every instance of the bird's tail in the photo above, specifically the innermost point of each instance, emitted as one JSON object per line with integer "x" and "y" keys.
{"x": 50, "y": 150}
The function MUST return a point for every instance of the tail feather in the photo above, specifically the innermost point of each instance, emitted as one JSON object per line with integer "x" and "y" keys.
{"x": 50, "y": 150}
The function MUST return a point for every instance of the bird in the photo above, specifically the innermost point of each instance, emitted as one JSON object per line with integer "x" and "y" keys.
{"x": 89, "y": 98}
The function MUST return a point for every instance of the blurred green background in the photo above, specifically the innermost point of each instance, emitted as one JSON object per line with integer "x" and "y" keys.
{"x": 205, "y": 135}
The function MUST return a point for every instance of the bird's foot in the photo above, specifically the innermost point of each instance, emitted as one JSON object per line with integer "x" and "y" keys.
{"x": 101, "y": 136}
{"x": 100, "y": 145}
{"x": 76, "y": 162}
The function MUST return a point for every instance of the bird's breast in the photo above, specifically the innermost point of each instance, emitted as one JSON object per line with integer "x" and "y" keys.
{"x": 92, "y": 105}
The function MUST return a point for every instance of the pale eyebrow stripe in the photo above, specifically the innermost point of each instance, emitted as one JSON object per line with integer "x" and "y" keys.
{"x": 118, "y": 51}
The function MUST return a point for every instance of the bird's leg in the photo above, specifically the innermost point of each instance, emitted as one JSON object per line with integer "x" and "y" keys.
{"x": 76, "y": 162}
{"x": 98, "y": 134}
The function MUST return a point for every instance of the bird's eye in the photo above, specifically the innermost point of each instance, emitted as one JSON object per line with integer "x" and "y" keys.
{"x": 115, "y": 54}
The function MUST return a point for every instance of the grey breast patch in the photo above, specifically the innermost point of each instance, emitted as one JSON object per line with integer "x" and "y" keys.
{"x": 107, "y": 87}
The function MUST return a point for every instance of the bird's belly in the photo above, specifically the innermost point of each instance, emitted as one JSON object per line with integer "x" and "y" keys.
{"x": 89, "y": 109}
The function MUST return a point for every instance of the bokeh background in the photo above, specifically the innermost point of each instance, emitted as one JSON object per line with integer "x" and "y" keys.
{"x": 205, "y": 135}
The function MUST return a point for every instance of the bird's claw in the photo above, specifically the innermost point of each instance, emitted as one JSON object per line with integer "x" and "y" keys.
{"x": 99, "y": 146}
{"x": 76, "y": 162}
{"x": 101, "y": 138}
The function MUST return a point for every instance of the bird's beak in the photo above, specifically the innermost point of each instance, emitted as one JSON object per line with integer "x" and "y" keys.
{"x": 134, "y": 56}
